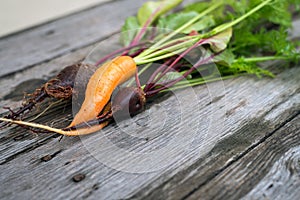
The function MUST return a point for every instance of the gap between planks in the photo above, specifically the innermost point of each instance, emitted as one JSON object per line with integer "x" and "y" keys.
{"x": 249, "y": 172}
{"x": 94, "y": 170}
{"x": 243, "y": 154}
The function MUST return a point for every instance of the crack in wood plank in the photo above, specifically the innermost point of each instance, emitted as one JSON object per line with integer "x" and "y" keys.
{"x": 25, "y": 150}
{"x": 239, "y": 140}
{"x": 253, "y": 163}
{"x": 282, "y": 180}
{"x": 241, "y": 155}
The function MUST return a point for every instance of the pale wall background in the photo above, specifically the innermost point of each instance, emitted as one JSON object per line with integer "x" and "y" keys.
{"x": 16, "y": 15}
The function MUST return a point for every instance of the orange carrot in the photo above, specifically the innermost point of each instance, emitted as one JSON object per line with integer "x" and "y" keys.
{"x": 98, "y": 92}
{"x": 101, "y": 85}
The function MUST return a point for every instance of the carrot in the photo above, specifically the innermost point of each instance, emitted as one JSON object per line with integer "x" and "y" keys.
{"x": 98, "y": 92}
{"x": 101, "y": 85}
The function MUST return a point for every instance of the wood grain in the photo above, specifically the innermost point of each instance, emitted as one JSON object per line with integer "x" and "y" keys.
{"x": 282, "y": 180}
{"x": 175, "y": 181}
{"x": 270, "y": 169}
{"x": 59, "y": 37}
{"x": 242, "y": 135}
{"x": 249, "y": 132}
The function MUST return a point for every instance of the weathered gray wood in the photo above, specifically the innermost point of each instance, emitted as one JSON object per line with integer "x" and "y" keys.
{"x": 254, "y": 125}
{"x": 244, "y": 133}
{"x": 262, "y": 108}
{"x": 53, "y": 39}
{"x": 282, "y": 181}
{"x": 39, "y": 72}
{"x": 271, "y": 167}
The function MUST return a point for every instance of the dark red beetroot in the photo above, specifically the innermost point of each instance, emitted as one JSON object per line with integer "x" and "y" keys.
{"x": 128, "y": 102}
{"x": 59, "y": 87}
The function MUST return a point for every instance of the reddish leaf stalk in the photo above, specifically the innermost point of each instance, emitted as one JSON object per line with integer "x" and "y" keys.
{"x": 113, "y": 54}
{"x": 141, "y": 33}
{"x": 171, "y": 83}
{"x": 150, "y": 81}
{"x": 179, "y": 58}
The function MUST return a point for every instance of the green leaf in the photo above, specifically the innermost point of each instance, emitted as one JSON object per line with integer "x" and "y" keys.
{"x": 153, "y": 9}
{"x": 263, "y": 42}
{"x": 176, "y": 20}
{"x": 241, "y": 66}
{"x": 170, "y": 76}
{"x": 129, "y": 30}
{"x": 226, "y": 58}
{"x": 205, "y": 23}
{"x": 278, "y": 13}
{"x": 219, "y": 42}
{"x": 295, "y": 4}
{"x": 197, "y": 7}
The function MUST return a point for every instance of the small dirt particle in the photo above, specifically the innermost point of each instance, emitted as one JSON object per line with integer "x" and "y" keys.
{"x": 46, "y": 158}
{"x": 95, "y": 187}
{"x": 19, "y": 137}
{"x": 78, "y": 177}
{"x": 50, "y": 32}
{"x": 67, "y": 163}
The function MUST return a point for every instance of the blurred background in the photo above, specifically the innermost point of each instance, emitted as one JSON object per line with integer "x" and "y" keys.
{"x": 16, "y": 15}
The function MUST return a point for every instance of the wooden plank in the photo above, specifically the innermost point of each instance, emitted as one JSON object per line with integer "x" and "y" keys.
{"x": 186, "y": 172}
{"x": 251, "y": 130}
{"x": 236, "y": 119}
{"x": 59, "y": 37}
{"x": 32, "y": 77}
{"x": 270, "y": 169}
{"x": 16, "y": 86}
{"x": 282, "y": 180}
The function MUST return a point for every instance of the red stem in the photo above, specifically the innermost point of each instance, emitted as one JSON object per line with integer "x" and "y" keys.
{"x": 173, "y": 64}
{"x": 139, "y": 36}
{"x": 124, "y": 49}
{"x": 171, "y": 83}
{"x": 137, "y": 80}
{"x": 155, "y": 73}
{"x": 178, "y": 58}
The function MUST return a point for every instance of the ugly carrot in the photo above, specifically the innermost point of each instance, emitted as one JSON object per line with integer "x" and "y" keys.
{"x": 98, "y": 92}
{"x": 101, "y": 85}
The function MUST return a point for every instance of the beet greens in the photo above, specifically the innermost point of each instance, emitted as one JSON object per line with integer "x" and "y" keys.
{"x": 237, "y": 35}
